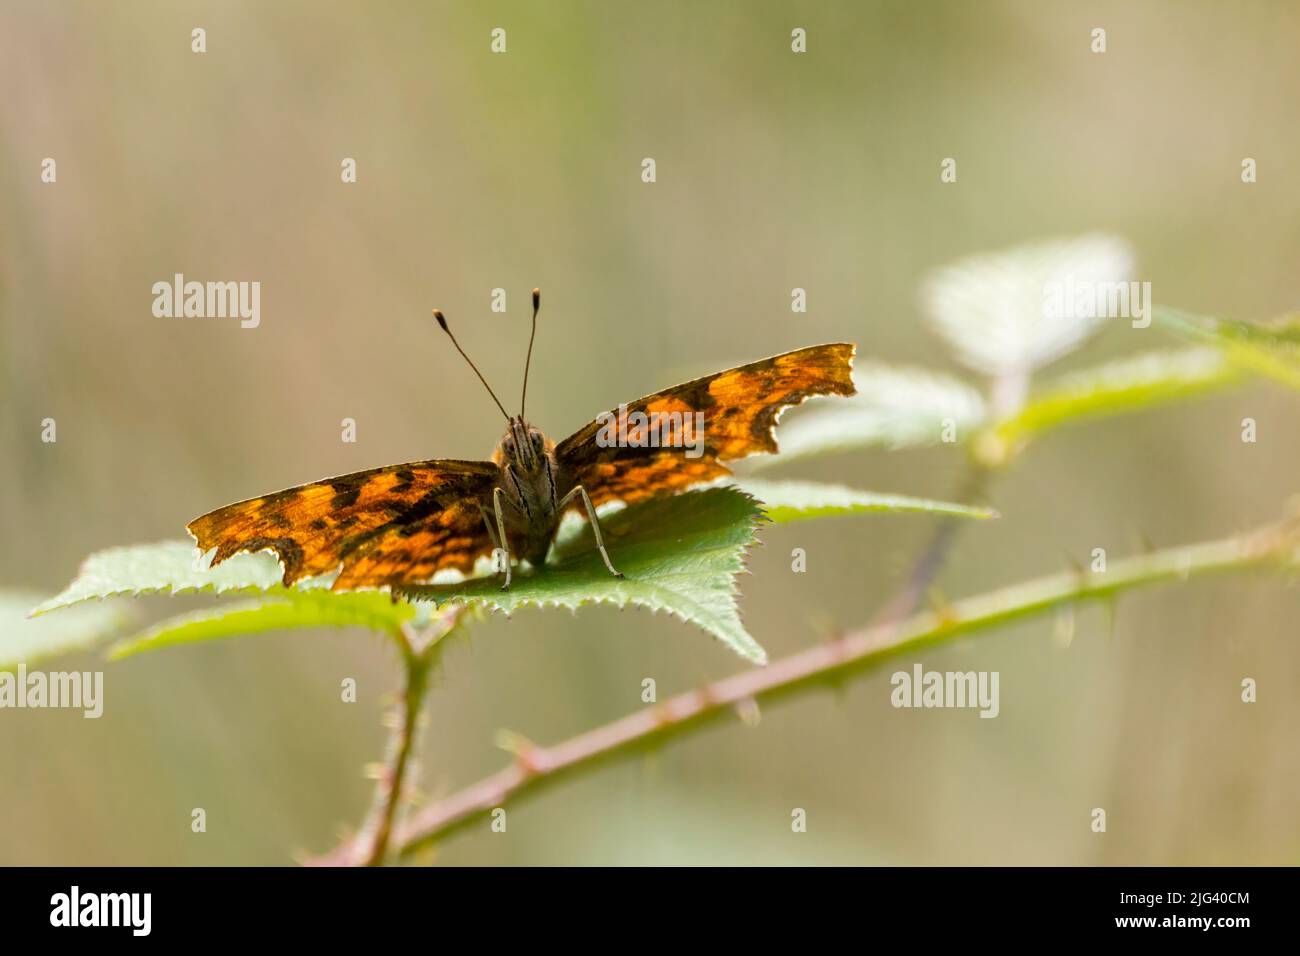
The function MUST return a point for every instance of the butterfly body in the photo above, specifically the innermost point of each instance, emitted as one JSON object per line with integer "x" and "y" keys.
{"x": 402, "y": 525}
{"x": 532, "y": 485}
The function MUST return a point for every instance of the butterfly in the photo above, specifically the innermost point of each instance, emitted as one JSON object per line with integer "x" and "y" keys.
{"x": 400, "y": 525}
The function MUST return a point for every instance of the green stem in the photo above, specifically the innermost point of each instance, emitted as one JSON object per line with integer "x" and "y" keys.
{"x": 829, "y": 665}
{"x": 420, "y": 648}
{"x": 372, "y": 842}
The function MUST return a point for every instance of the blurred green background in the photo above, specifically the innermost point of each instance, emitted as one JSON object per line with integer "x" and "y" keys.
{"x": 775, "y": 170}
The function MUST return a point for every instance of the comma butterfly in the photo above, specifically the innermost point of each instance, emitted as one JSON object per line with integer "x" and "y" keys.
{"x": 400, "y": 525}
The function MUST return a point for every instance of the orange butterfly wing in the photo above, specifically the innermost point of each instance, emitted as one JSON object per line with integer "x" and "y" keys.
{"x": 740, "y": 408}
{"x": 394, "y": 525}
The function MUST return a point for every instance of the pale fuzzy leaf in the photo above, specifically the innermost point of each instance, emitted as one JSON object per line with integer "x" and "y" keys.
{"x": 25, "y": 640}
{"x": 1120, "y": 386}
{"x": 992, "y": 308}
{"x": 679, "y": 554}
{"x": 895, "y": 407}
{"x": 1271, "y": 348}
{"x": 316, "y": 607}
{"x": 785, "y": 501}
{"x": 168, "y": 566}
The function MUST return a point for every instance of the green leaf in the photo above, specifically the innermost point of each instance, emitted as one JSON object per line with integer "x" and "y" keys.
{"x": 1271, "y": 348}
{"x": 679, "y": 554}
{"x": 1120, "y": 386}
{"x": 25, "y": 641}
{"x": 895, "y": 407}
{"x": 784, "y": 501}
{"x": 168, "y": 566}
{"x": 315, "y": 607}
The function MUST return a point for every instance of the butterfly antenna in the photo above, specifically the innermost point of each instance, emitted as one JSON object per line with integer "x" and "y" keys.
{"x": 537, "y": 304}
{"x": 442, "y": 321}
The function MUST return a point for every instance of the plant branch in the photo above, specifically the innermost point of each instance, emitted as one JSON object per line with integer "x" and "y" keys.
{"x": 828, "y": 665}
{"x": 1112, "y": 389}
{"x": 372, "y": 843}
{"x": 419, "y": 647}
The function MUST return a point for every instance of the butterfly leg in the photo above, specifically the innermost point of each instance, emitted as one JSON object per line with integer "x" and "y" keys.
{"x": 595, "y": 525}
{"x": 502, "y": 543}
{"x": 487, "y": 523}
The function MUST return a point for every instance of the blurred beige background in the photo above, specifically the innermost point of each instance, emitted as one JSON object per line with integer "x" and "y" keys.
{"x": 774, "y": 171}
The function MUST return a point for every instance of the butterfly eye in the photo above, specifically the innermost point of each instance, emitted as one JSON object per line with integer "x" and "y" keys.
{"x": 537, "y": 441}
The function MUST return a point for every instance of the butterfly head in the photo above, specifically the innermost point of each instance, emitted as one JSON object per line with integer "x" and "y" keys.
{"x": 523, "y": 446}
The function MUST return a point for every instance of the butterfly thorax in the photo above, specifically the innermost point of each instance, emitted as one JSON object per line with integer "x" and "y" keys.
{"x": 531, "y": 481}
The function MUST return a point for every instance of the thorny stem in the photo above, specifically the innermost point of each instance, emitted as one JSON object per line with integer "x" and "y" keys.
{"x": 829, "y": 665}
{"x": 373, "y": 840}
{"x": 419, "y": 647}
